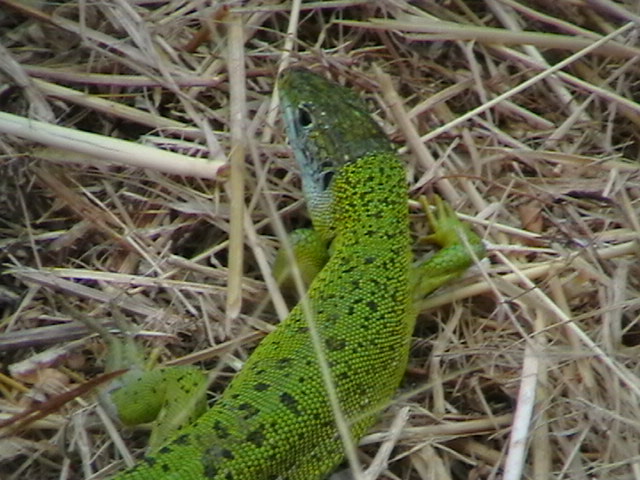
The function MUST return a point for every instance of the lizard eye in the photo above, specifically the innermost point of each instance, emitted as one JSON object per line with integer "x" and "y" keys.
{"x": 304, "y": 117}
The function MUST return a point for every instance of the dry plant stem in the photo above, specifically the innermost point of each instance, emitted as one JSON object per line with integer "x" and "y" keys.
{"x": 285, "y": 60}
{"x": 38, "y": 411}
{"x": 114, "y": 434}
{"x": 532, "y": 81}
{"x": 443, "y": 96}
{"x": 132, "y": 280}
{"x": 39, "y": 108}
{"x": 381, "y": 460}
{"x": 577, "y": 82}
{"x": 267, "y": 136}
{"x": 570, "y": 159}
{"x": 78, "y": 424}
{"x": 343, "y": 428}
{"x": 417, "y": 146}
{"x": 52, "y": 421}
{"x": 124, "y": 51}
{"x": 558, "y": 25}
{"x": 217, "y": 351}
{"x": 582, "y": 364}
{"x": 318, "y": 346}
{"x": 453, "y": 31}
{"x": 127, "y": 304}
{"x": 480, "y": 451}
{"x": 518, "y": 439}
{"x": 614, "y": 9}
{"x": 620, "y": 371}
{"x": 540, "y": 446}
{"x": 440, "y": 345}
{"x": 531, "y": 273}
{"x": 330, "y": 4}
{"x": 111, "y": 80}
{"x": 428, "y": 464}
{"x": 119, "y": 110}
{"x": 275, "y": 296}
{"x": 108, "y": 149}
{"x": 451, "y": 429}
{"x": 238, "y": 124}
{"x": 292, "y": 34}
{"x": 560, "y": 90}
{"x": 96, "y": 213}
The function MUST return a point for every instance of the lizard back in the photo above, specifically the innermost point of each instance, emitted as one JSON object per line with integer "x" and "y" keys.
{"x": 275, "y": 420}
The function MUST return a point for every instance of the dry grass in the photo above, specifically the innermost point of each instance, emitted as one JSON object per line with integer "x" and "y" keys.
{"x": 522, "y": 114}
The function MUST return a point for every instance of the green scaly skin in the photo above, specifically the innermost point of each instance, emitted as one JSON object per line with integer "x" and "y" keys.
{"x": 274, "y": 420}
{"x": 167, "y": 398}
{"x": 311, "y": 253}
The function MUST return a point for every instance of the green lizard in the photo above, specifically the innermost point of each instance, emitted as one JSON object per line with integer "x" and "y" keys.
{"x": 274, "y": 420}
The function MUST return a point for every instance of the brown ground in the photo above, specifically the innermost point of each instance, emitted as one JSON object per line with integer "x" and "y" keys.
{"x": 528, "y": 121}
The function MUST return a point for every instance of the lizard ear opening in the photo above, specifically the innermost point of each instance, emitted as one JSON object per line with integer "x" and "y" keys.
{"x": 326, "y": 179}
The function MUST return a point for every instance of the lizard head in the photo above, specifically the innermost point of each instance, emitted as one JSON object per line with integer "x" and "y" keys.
{"x": 328, "y": 127}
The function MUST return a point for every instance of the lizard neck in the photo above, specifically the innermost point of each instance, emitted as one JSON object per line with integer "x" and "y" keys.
{"x": 366, "y": 203}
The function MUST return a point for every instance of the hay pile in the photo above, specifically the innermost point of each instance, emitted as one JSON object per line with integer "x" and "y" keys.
{"x": 522, "y": 114}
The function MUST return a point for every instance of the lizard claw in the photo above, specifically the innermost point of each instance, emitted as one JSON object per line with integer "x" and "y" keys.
{"x": 447, "y": 228}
